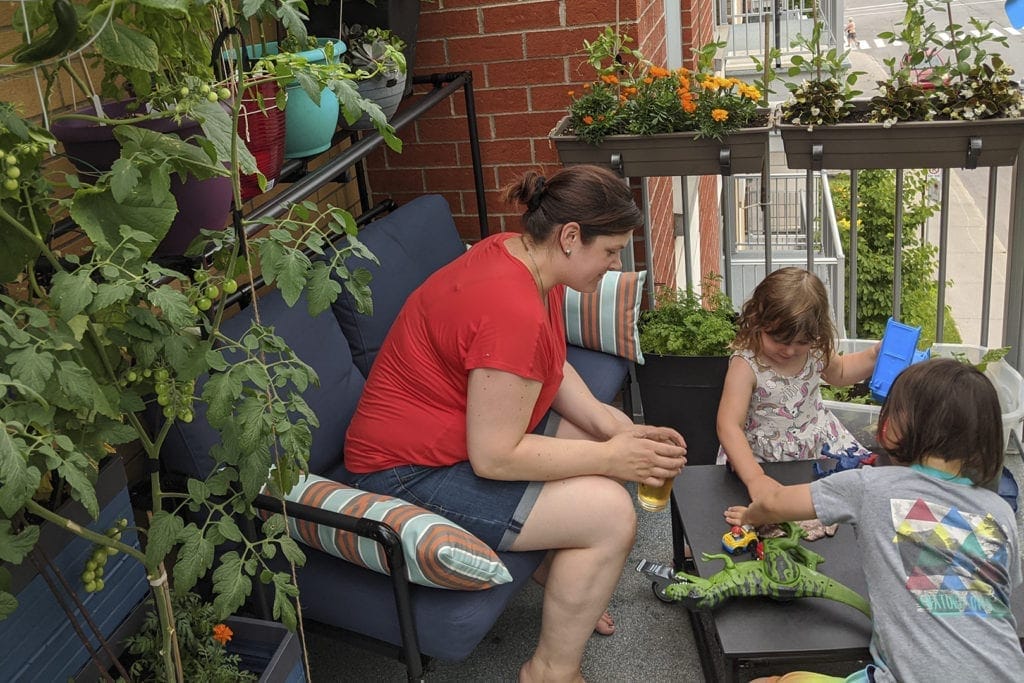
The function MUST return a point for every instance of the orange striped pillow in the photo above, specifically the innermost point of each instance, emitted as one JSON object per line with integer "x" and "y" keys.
{"x": 605, "y": 319}
{"x": 439, "y": 553}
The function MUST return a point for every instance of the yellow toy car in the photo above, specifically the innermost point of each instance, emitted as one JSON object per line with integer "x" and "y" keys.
{"x": 739, "y": 539}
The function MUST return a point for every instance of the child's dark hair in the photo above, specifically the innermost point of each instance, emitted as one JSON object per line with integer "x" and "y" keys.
{"x": 947, "y": 409}
{"x": 593, "y": 196}
{"x": 790, "y": 304}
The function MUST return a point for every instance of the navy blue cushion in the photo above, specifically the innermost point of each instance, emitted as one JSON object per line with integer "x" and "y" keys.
{"x": 316, "y": 341}
{"x": 603, "y": 372}
{"x": 411, "y": 243}
{"x": 449, "y": 624}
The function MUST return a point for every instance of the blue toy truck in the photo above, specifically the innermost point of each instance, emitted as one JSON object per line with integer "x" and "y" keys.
{"x": 898, "y": 352}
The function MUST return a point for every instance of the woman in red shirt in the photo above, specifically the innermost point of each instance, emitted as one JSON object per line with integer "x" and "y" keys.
{"x": 469, "y": 369}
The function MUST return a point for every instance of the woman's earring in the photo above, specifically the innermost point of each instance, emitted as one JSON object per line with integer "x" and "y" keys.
{"x": 568, "y": 251}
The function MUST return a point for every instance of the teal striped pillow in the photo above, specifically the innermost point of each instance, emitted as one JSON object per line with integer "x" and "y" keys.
{"x": 439, "y": 553}
{"x": 605, "y": 319}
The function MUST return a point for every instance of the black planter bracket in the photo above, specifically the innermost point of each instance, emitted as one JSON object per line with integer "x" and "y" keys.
{"x": 973, "y": 152}
{"x": 725, "y": 160}
{"x": 817, "y": 156}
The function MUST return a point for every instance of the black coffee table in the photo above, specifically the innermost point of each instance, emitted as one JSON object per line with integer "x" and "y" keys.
{"x": 760, "y": 631}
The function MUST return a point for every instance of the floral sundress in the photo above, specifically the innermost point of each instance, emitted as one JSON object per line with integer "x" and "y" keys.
{"x": 786, "y": 419}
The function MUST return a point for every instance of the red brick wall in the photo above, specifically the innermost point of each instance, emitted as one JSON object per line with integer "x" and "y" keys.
{"x": 524, "y": 56}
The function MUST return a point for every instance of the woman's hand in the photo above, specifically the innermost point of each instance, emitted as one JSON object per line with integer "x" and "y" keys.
{"x": 648, "y": 455}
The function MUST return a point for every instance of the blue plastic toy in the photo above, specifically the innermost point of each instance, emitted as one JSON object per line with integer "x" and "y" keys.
{"x": 850, "y": 459}
{"x": 898, "y": 352}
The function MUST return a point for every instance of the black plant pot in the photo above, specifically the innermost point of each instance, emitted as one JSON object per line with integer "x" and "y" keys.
{"x": 401, "y": 17}
{"x": 683, "y": 392}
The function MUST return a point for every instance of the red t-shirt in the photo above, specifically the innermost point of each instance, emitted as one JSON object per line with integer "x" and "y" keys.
{"x": 482, "y": 310}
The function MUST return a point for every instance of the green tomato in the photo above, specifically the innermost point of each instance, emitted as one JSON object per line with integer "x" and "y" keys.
{"x": 147, "y": 373}
{"x": 163, "y": 388}
{"x": 184, "y": 91}
{"x": 98, "y": 573}
{"x": 224, "y": 94}
{"x": 193, "y": 309}
{"x": 185, "y": 415}
{"x": 161, "y": 375}
{"x": 88, "y": 576}
{"x": 110, "y": 551}
{"x": 163, "y": 399}
{"x": 200, "y": 276}
{"x": 99, "y": 585}
{"x": 230, "y": 286}
{"x": 169, "y": 412}
{"x": 211, "y": 292}
{"x": 10, "y": 184}
{"x": 203, "y": 304}
{"x": 204, "y": 88}
{"x": 91, "y": 587}
{"x": 211, "y": 97}
{"x": 11, "y": 160}
{"x": 13, "y": 172}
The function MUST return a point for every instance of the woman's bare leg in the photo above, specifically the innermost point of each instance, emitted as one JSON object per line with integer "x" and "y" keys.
{"x": 605, "y": 624}
{"x": 591, "y": 523}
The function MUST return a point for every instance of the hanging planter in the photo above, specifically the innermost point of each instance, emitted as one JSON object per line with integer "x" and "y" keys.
{"x": 93, "y": 149}
{"x": 907, "y": 144}
{"x": 386, "y": 91}
{"x": 667, "y": 154}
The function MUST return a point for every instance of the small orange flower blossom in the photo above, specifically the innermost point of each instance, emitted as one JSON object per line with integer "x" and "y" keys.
{"x": 659, "y": 72}
{"x": 588, "y": 119}
{"x": 222, "y": 633}
{"x": 719, "y": 114}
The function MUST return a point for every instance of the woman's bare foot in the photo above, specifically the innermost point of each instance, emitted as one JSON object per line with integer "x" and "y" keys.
{"x": 531, "y": 671}
{"x": 605, "y": 625}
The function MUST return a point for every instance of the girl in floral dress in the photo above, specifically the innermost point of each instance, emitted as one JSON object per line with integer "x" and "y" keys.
{"x": 771, "y": 408}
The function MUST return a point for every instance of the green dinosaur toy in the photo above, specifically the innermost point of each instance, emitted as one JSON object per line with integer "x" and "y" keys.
{"x": 787, "y": 571}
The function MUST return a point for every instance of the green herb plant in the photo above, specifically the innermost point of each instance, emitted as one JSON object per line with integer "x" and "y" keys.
{"x": 688, "y": 323}
{"x": 826, "y": 97}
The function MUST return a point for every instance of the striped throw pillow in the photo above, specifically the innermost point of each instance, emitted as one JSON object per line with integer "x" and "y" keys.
{"x": 439, "y": 553}
{"x": 605, "y": 319}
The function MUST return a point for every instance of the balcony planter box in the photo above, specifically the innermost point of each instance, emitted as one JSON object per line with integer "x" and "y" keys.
{"x": 862, "y": 420}
{"x": 40, "y": 643}
{"x": 907, "y": 144}
{"x": 683, "y": 392}
{"x": 666, "y": 154}
{"x": 265, "y": 648}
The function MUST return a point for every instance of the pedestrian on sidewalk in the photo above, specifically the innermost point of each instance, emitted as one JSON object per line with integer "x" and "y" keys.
{"x": 851, "y": 33}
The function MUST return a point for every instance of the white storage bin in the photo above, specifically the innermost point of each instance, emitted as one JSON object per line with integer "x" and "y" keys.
{"x": 862, "y": 420}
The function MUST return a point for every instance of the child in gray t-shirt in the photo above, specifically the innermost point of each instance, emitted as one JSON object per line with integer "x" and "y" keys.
{"x": 940, "y": 550}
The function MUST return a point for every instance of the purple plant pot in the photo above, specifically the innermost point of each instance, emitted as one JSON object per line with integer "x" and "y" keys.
{"x": 93, "y": 149}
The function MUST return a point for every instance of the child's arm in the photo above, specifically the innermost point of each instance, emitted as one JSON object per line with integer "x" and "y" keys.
{"x": 781, "y": 504}
{"x": 851, "y": 368}
{"x": 732, "y": 417}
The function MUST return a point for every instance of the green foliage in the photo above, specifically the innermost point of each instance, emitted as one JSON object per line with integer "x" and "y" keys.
{"x": 825, "y": 98}
{"x": 684, "y": 323}
{"x": 875, "y": 242}
{"x": 203, "y": 658}
{"x": 969, "y": 82}
{"x": 373, "y": 51}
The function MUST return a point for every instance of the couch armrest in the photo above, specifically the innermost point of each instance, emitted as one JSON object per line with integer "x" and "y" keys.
{"x": 380, "y": 532}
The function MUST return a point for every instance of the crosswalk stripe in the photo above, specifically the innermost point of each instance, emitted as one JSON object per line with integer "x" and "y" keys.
{"x": 995, "y": 32}
{"x": 873, "y": 43}
{"x": 879, "y": 42}
{"x": 1011, "y": 31}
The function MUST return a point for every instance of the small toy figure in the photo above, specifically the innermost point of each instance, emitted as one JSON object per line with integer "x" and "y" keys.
{"x": 739, "y": 539}
{"x": 851, "y": 459}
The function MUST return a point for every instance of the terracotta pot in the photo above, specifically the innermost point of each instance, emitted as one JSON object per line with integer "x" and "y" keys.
{"x": 907, "y": 144}
{"x": 667, "y": 154}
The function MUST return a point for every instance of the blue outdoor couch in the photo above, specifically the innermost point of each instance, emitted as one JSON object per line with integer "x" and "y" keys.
{"x": 341, "y": 344}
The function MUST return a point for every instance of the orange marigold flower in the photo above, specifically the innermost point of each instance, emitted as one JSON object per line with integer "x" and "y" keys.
{"x": 659, "y": 72}
{"x": 719, "y": 114}
{"x": 588, "y": 119}
{"x": 610, "y": 79}
{"x": 222, "y": 633}
{"x": 648, "y": 80}
{"x": 689, "y": 106}
{"x": 629, "y": 90}
{"x": 586, "y": 86}
{"x": 709, "y": 83}
{"x": 571, "y": 93}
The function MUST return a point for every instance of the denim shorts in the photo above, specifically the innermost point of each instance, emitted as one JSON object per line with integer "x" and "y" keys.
{"x": 493, "y": 511}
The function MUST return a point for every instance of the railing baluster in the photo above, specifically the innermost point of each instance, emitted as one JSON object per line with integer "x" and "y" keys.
{"x": 940, "y": 314}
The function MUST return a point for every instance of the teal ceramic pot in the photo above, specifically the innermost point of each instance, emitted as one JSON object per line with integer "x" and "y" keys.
{"x": 308, "y": 126}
